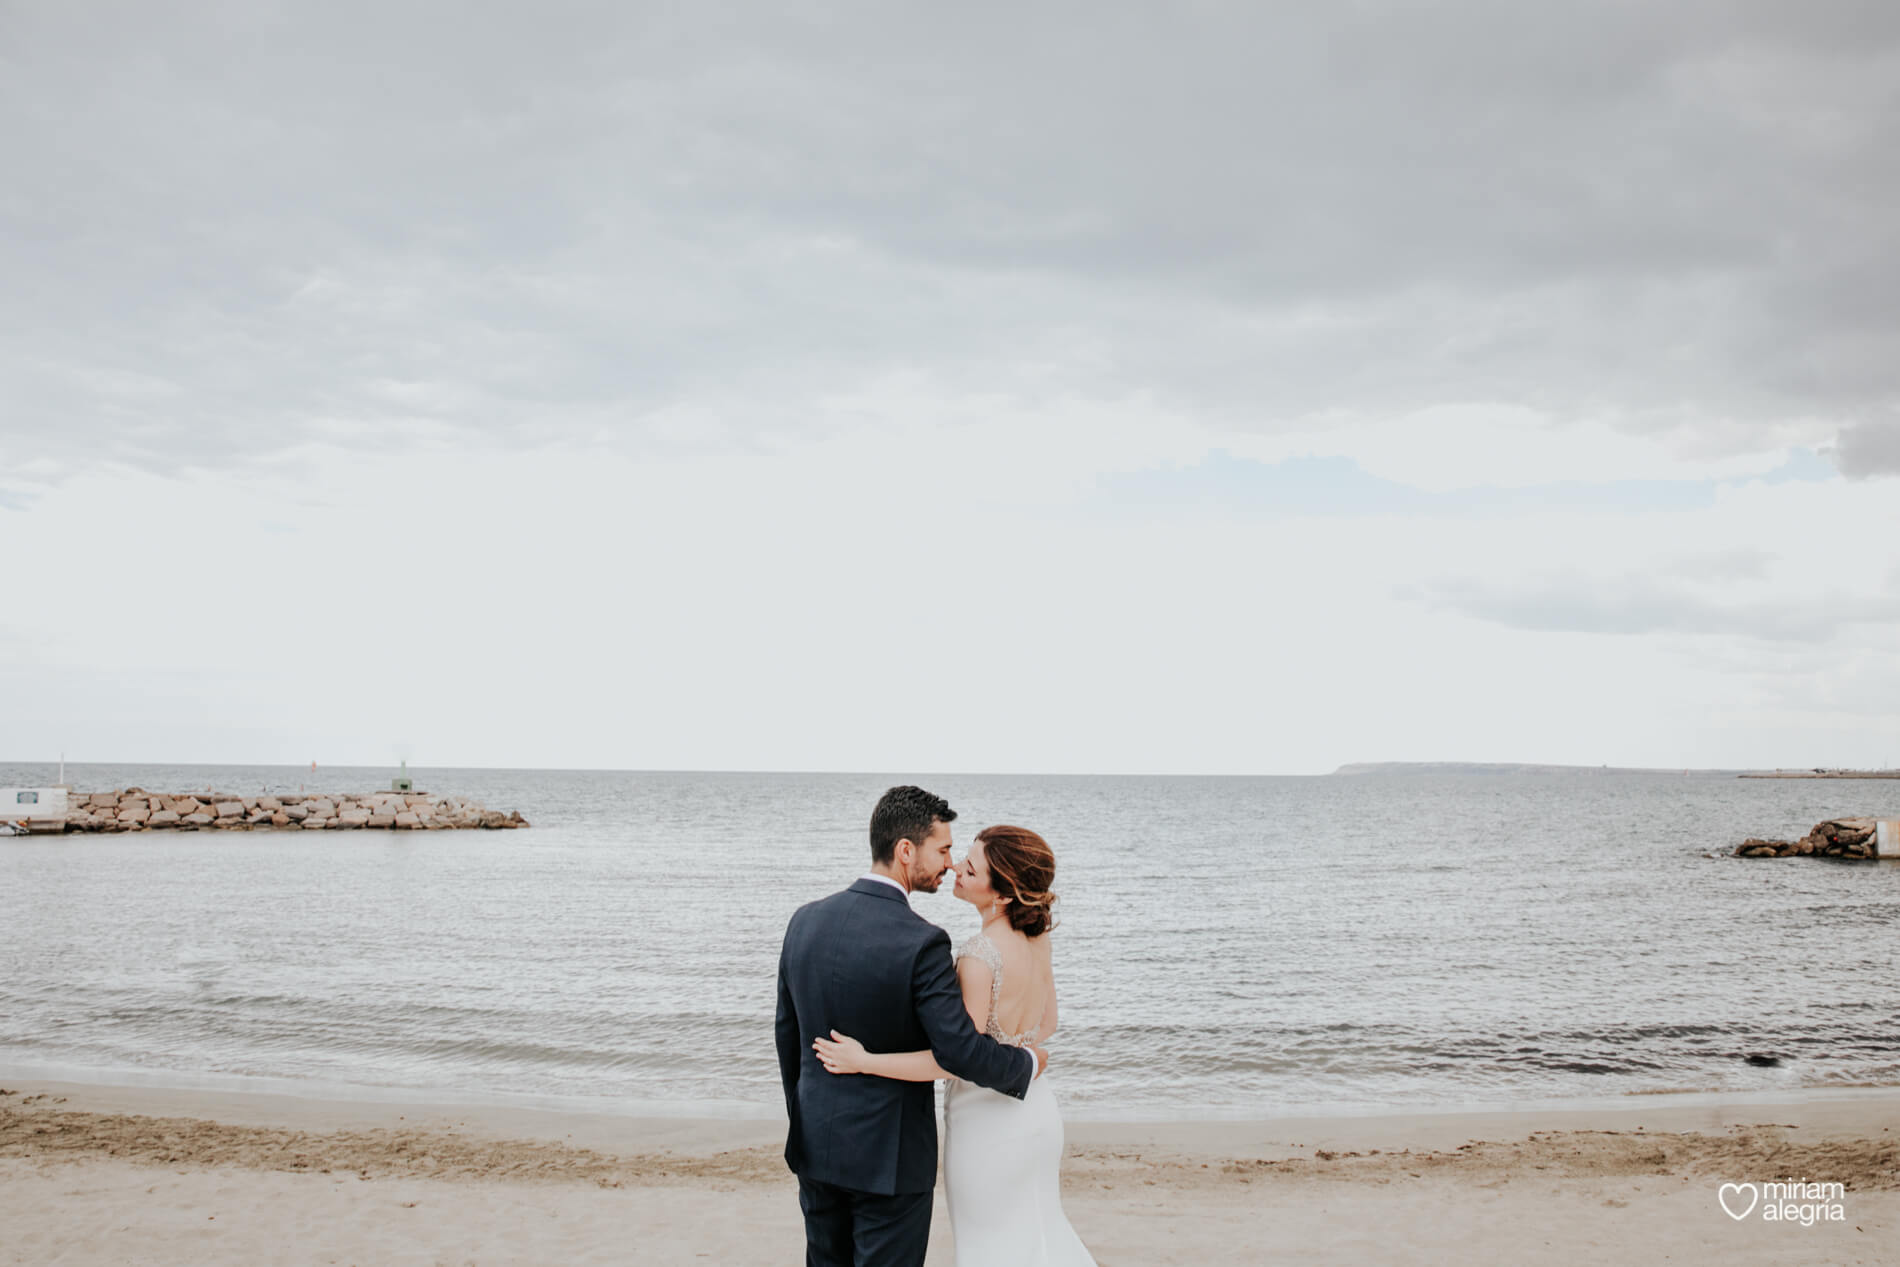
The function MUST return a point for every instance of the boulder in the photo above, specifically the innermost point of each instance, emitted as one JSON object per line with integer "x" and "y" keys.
{"x": 381, "y": 820}
{"x": 200, "y": 818}
{"x": 353, "y": 817}
{"x": 230, "y": 809}
{"x": 1834, "y": 838}
{"x": 321, "y": 807}
{"x": 407, "y": 819}
{"x": 134, "y": 814}
{"x": 270, "y": 803}
{"x": 316, "y": 824}
{"x": 258, "y": 816}
{"x": 104, "y": 799}
{"x": 163, "y": 818}
{"x": 187, "y": 805}
{"x": 280, "y": 819}
{"x": 297, "y": 813}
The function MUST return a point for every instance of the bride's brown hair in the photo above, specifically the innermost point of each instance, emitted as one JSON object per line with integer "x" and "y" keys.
{"x": 1022, "y": 867}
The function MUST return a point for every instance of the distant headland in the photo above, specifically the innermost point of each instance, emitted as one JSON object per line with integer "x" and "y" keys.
{"x": 1510, "y": 767}
{"x": 1505, "y": 767}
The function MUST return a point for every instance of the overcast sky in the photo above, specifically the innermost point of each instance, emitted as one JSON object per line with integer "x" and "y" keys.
{"x": 1102, "y": 388}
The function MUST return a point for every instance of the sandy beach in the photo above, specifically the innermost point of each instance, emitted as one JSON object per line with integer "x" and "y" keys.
{"x": 110, "y": 1174}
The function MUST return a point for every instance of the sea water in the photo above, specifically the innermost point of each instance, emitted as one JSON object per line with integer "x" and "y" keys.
{"x": 1228, "y": 946}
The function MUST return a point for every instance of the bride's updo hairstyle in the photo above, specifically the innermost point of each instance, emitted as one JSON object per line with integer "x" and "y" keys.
{"x": 1022, "y": 867}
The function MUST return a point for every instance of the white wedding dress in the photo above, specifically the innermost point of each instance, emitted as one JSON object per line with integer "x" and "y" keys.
{"x": 1002, "y": 1161}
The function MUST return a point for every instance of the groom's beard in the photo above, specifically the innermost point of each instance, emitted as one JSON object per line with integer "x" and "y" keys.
{"x": 926, "y": 882}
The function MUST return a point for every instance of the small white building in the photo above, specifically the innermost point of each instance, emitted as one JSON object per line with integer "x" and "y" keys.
{"x": 34, "y": 808}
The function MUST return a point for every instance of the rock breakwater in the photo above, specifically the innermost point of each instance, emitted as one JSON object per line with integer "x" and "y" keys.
{"x": 1835, "y": 838}
{"x": 135, "y": 809}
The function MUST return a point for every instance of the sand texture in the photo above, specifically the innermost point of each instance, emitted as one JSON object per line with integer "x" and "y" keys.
{"x": 94, "y": 1175}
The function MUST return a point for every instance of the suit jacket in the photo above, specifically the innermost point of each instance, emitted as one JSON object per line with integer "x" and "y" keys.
{"x": 863, "y": 963}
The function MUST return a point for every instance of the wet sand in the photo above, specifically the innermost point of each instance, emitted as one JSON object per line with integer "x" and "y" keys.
{"x": 109, "y": 1174}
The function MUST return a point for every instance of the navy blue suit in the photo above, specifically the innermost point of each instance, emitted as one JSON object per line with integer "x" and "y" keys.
{"x": 864, "y": 1148}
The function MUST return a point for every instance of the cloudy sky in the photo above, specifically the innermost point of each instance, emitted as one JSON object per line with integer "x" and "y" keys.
{"x": 1111, "y": 388}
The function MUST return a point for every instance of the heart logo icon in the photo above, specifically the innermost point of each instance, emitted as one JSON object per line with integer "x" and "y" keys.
{"x": 1737, "y": 1189}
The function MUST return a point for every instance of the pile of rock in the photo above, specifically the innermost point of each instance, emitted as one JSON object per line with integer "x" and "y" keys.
{"x": 1835, "y": 838}
{"x": 135, "y": 809}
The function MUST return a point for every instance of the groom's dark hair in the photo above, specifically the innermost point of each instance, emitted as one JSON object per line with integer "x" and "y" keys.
{"x": 905, "y": 813}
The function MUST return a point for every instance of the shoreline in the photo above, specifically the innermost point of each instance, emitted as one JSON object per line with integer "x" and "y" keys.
{"x": 128, "y": 1085}
{"x": 105, "y": 1173}
{"x": 1845, "y": 1111}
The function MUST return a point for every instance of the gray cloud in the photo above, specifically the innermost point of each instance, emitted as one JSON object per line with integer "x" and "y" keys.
{"x": 1868, "y": 449}
{"x": 1738, "y": 563}
{"x": 229, "y": 230}
{"x": 1574, "y": 603}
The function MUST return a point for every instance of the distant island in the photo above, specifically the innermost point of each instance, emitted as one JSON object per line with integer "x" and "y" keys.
{"x": 1518, "y": 767}
{"x": 1511, "y": 768}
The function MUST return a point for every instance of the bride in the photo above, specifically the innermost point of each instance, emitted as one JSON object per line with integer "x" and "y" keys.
{"x": 1002, "y": 1159}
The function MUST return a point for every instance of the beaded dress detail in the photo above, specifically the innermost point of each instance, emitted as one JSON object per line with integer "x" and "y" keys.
{"x": 981, "y": 947}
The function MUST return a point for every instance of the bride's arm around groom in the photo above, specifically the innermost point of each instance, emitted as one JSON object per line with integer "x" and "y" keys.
{"x": 843, "y": 1054}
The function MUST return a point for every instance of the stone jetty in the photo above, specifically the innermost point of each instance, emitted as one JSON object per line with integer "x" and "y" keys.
{"x": 135, "y": 809}
{"x": 1835, "y": 838}
{"x": 1821, "y": 774}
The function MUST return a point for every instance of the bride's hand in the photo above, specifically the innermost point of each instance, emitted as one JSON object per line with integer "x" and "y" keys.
{"x": 840, "y": 1053}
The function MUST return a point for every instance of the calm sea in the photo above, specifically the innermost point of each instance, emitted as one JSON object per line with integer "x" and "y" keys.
{"x": 1229, "y": 946}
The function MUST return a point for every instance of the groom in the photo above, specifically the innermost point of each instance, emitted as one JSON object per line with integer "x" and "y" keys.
{"x": 861, "y": 961}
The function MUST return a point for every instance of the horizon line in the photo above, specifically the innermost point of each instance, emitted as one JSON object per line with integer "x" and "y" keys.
{"x": 1108, "y": 774}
